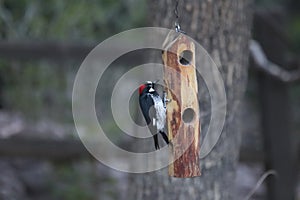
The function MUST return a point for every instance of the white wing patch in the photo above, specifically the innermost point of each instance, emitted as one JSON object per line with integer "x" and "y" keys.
{"x": 160, "y": 113}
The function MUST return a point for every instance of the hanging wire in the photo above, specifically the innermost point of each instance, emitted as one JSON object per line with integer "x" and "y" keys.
{"x": 177, "y": 25}
{"x": 176, "y": 9}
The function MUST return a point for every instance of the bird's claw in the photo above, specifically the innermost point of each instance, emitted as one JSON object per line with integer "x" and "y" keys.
{"x": 157, "y": 147}
{"x": 168, "y": 100}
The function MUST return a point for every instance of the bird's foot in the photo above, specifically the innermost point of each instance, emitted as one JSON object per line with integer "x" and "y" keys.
{"x": 157, "y": 147}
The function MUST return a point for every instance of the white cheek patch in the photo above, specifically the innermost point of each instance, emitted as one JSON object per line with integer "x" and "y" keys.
{"x": 151, "y": 90}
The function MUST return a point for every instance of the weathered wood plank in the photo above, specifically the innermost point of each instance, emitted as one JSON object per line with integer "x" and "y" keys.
{"x": 183, "y": 117}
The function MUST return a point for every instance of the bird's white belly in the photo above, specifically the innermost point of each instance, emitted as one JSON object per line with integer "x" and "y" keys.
{"x": 160, "y": 113}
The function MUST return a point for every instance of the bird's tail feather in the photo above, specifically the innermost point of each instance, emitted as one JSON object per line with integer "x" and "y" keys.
{"x": 165, "y": 137}
{"x": 156, "y": 141}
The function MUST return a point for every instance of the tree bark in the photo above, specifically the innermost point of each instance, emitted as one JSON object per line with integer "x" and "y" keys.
{"x": 223, "y": 29}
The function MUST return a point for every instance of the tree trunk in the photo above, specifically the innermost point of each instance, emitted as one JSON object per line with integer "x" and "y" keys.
{"x": 223, "y": 29}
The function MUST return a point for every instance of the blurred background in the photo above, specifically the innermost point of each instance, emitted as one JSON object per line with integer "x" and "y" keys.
{"x": 42, "y": 46}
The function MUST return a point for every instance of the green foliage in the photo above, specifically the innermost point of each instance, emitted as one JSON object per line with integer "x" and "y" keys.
{"x": 35, "y": 88}
{"x": 82, "y": 181}
{"x": 292, "y": 25}
{"x": 76, "y": 19}
{"x": 268, "y": 3}
{"x": 39, "y": 88}
{"x": 294, "y": 32}
{"x": 295, "y": 107}
{"x": 42, "y": 89}
{"x": 74, "y": 184}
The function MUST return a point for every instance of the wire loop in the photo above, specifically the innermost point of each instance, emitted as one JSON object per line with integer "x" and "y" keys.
{"x": 177, "y": 25}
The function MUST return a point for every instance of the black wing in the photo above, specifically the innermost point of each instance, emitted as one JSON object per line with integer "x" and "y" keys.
{"x": 146, "y": 102}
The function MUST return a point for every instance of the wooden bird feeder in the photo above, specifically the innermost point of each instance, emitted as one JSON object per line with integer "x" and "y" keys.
{"x": 183, "y": 119}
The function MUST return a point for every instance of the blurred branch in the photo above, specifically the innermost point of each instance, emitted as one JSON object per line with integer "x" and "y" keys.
{"x": 262, "y": 63}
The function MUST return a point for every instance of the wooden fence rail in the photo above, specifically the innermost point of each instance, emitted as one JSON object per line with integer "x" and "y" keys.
{"x": 56, "y": 150}
{"x": 30, "y": 50}
{"x": 57, "y": 51}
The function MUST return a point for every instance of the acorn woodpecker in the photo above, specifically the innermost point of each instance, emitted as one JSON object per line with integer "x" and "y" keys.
{"x": 154, "y": 110}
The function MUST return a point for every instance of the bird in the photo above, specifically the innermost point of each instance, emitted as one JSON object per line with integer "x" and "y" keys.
{"x": 154, "y": 111}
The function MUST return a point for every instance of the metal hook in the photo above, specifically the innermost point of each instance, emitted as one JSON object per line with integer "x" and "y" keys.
{"x": 177, "y": 26}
